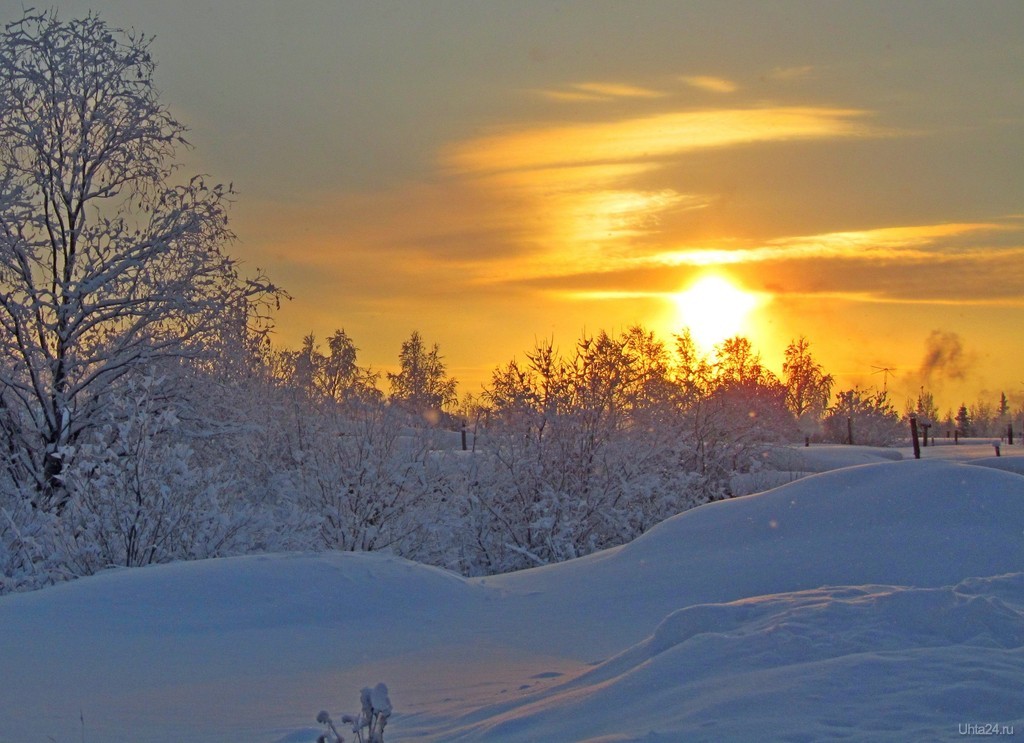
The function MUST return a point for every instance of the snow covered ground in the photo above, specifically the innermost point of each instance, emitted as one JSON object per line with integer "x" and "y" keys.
{"x": 878, "y": 601}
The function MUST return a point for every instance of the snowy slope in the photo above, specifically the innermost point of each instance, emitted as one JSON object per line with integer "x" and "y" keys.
{"x": 869, "y": 662}
{"x": 907, "y": 523}
{"x": 877, "y": 602}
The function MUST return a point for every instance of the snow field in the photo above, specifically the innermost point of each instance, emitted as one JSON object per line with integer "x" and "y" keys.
{"x": 876, "y": 602}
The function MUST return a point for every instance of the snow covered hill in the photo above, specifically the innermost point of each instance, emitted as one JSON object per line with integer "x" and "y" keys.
{"x": 877, "y": 602}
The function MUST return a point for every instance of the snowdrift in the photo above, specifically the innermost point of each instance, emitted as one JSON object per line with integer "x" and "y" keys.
{"x": 867, "y": 663}
{"x": 915, "y": 523}
{"x": 876, "y": 602}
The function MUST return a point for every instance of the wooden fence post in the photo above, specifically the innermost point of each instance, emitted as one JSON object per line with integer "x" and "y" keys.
{"x": 913, "y": 437}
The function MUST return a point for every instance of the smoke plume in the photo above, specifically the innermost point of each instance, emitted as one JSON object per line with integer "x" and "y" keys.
{"x": 944, "y": 357}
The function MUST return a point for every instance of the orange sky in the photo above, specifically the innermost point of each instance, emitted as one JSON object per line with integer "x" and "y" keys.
{"x": 495, "y": 173}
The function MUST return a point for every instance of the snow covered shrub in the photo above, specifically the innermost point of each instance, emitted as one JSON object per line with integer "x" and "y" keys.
{"x": 526, "y": 502}
{"x": 31, "y": 552}
{"x": 374, "y": 716}
{"x": 362, "y": 474}
{"x": 138, "y": 495}
{"x": 729, "y": 406}
{"x": 862, "y": 417}
{"x": 589, "y": 450}
{"x": 580, "y": 453}
{"x": 235, "y": 422}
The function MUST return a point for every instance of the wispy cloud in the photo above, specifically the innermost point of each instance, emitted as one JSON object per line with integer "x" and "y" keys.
{"x": 790, "y": 73}
{"x": 710, "y": 83}
{"x": 614, "y": 214}
{"x": 894, "y": 265}
{"x": 599, "y": 91}
{"x": 587, "y": 190}
{"x": 652, "y": 137}
{"x": 886, "y": 243}
{"x": 572, "y": 96}
{"x": 943, "y": 265}
{"x": 618, "y": 90}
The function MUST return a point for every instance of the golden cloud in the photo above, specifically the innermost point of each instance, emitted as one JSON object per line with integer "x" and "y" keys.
{"x": 572, "y": 96}
{"x": 618, "y": 90}
{"x": 650, "y": 138}
{"x": 581, "y": 187}
{"x": 904, "y": 243}
{"x": 710, "y": 83}
{"x": 599, "y": 91}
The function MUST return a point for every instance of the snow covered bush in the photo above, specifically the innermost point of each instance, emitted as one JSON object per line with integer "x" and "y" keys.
{"x": 579, "y": 453}
{"x": 138, "y": 495}
{"x": 514, "y": 513}
{"x": 728, "y": 407}
{"x": 31, "y": 551}
{"x": 373, "y": 718}
{"x": 361, "y": 475}
{"x": 863, "y": 417}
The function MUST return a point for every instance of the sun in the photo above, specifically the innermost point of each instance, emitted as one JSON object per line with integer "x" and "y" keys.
{"x": 714, "y": 308}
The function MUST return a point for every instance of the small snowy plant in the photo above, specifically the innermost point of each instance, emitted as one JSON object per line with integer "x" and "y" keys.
{"x": 372, "y": 719}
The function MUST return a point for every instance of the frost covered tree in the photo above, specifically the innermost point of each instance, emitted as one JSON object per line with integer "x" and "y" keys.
{"x": 582, "y": 451}
{"x": 964, "y": 423}
{"x": 422, "y": 385}
{"x": 862, "y": 417}
{"x": 333, "y": 375}
{"x": 108, "y": 258}
{"x": 738, "y": 364}
{"x": 924, "y": 408}
{"x": 746, "y": 405}
{"x": 808, "y": 387}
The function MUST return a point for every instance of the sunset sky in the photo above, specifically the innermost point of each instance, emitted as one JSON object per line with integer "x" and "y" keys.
{"x": 494, "y": 173}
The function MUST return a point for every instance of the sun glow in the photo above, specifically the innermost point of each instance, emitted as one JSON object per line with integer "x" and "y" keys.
{"x": 714, "y": 309}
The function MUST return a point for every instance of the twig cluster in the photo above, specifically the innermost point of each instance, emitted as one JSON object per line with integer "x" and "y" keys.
{"x": 368, "y": 725}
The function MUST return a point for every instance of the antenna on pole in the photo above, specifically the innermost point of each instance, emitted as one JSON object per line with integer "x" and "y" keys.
{"x": 885, "y": 371}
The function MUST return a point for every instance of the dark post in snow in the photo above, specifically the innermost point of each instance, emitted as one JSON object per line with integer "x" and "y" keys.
{"x": 956, "y": 436}
{"x": 925, "y": 427}
{"x": 849, "y": 430}
{"x": 463, "y": 435}
{"x": 913, "y": 437}
{"x": 1009, "y": 434}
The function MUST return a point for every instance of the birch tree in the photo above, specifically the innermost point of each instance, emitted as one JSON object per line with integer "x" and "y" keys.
{"x": 808, "y": 387}
{"x": 109, "y": 257}
{"x": 422, "y": 385}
